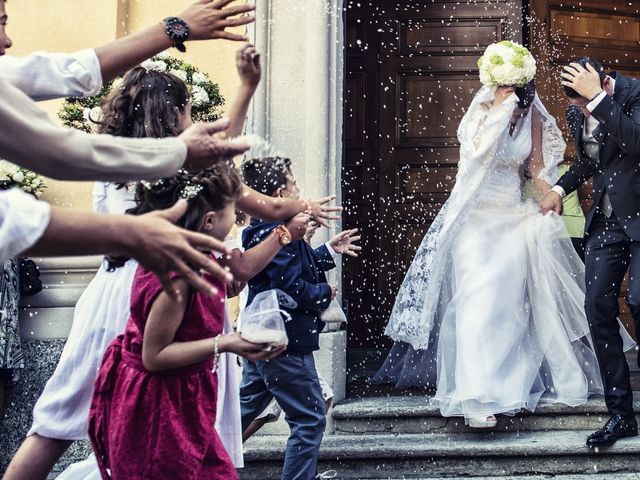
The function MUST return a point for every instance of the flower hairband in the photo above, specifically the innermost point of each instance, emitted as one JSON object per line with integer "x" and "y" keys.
{"x": 191, "y": 191}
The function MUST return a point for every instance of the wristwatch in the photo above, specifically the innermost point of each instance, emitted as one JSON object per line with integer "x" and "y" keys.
{"x": 284, "y": 234}
{"x": 178, "y": 32}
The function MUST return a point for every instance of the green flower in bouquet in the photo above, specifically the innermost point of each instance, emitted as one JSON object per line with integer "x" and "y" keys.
{"x": 506, "y": 63}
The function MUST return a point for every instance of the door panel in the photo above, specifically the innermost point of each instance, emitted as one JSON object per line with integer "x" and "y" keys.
{"x": 411, "y": 73}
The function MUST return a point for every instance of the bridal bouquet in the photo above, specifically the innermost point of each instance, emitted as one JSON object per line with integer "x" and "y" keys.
{"x": 506, "y": 63}
{"x": 13, "y": 176}
{"x": 206, "y": 99}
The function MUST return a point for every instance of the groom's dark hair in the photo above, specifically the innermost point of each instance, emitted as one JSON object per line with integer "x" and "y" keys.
{"x": 571, "y": 93}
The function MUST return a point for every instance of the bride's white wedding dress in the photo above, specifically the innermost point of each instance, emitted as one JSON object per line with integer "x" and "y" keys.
{"x": 491, "y": 311}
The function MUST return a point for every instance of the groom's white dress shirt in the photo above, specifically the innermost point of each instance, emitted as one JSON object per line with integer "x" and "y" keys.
{"x": 29, "y": 138}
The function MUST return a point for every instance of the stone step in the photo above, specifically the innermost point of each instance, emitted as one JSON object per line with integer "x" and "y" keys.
{"x": 415, "y": 414}
{"x": 600, "y": 476}
{"x": 433, "y": 455}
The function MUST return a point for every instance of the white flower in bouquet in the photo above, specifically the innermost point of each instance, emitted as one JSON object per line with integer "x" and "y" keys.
{"x": 18, "y": 177}
{"x": 155, "y": 65}
{"x": 117, "y": 84}
{"x": 7, "y": 169}
{"x": 506, "y": 63}
{"x": 181, "y": 74}
{"x": 92, "y": 115}
{"x": 12, "y": 176}
{"x": 199, "y": 78}
{"x": 199, "y": 95}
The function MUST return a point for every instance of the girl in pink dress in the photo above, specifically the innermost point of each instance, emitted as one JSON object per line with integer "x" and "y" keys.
{"x": 154, "y": 404}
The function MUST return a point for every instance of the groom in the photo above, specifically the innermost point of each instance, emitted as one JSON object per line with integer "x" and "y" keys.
{"x": 604, "y": 117}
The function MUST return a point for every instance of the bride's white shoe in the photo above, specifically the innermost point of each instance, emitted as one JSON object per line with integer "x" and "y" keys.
{"x": 481, "y": 422}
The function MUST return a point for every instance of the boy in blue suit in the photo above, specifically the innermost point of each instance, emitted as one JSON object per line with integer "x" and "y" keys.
{"x": 298, "y": 270}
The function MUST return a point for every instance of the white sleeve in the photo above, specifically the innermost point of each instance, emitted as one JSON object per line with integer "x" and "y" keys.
{"x": 591, "y": 106}
{"x": 30, "y": 139}
{"x": 332, "y": 252}
{"x": 231, "y": 243}
{"x": 44, "y": 75}
{"x": 559, "y": 190}
{"x": 99, "y": 195}
{"x": 23, "y": 220}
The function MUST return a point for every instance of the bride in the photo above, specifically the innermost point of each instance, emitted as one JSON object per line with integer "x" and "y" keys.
{"x": 491, "y": 309}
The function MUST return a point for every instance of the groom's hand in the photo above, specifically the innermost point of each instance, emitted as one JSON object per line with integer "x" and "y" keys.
{"x": 585, "y": 81}
{"x": 552, "y": 201}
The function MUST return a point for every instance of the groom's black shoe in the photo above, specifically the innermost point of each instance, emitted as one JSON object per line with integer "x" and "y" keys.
{"x": 616, "y": 428}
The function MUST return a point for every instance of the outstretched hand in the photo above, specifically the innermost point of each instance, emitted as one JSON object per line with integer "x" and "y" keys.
{"x": 248, "y": 65}
{"x": 344, "y": 243}
{"x": 551, "y": 202}
{"x": 161, "y": 247}
{"x": 209, "y": 19}
{"x": 205, "y": 149}
{"x": 322, "y": 213}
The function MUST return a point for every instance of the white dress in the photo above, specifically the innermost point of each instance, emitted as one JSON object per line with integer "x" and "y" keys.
{"x": 100, "y": 315}
{"x": 505, "y": 326}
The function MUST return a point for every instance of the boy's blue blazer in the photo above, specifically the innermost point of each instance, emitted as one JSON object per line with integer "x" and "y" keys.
{"x": 298, "y": 270}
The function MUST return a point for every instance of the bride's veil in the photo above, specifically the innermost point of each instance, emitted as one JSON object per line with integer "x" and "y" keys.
{"x": 480, "y": 133}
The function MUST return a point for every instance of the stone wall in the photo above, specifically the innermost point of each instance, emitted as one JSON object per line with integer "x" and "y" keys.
{"x": 45, "y": 321}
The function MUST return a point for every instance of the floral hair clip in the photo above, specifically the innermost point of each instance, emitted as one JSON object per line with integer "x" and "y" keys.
{"x": 191, "y": 191}
{"x": 152, "y": 185}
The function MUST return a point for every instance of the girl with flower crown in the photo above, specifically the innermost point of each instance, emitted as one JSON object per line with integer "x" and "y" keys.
{"x": 147, "y": 103}
{"x": 491, "y": 311}
{"x": 157, "y": 386}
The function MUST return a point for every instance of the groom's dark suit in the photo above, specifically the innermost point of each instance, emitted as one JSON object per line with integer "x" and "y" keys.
{"x": 611, "y": 155}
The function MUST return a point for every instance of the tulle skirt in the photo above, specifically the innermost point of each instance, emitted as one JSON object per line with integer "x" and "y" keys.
{"x": 512, "y": 327}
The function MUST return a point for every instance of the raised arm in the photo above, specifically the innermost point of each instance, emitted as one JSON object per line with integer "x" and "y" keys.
{"x": 249, "y": 71}
{"x": 206, "y": 20}
{"x": 261, "y": 206}
{"x": 152, "y": 239}
{"x": 44, "y": 75}
{"x": 30, "y": 139}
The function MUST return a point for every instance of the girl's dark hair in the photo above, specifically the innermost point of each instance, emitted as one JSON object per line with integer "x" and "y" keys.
{"x": 267, "y": 174}
{"x": 145, "y": 105}
{"x": 571, "y": 93}
{"x": 526, "y": 94}
{"x": 219, "y": 185}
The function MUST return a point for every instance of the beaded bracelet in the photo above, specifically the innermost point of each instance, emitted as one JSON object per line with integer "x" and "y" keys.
{"x": 216, "y": 353}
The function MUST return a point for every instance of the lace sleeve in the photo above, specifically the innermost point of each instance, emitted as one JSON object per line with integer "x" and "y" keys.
{"x": 553, "y": 145}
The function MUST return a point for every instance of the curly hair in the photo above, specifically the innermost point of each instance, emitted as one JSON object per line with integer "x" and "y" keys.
{"x": 220, "y": 185}
{"x": 147, "y": 104}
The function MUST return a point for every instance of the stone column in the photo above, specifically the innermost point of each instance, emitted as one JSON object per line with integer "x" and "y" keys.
{"x": 298, "y": 109}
